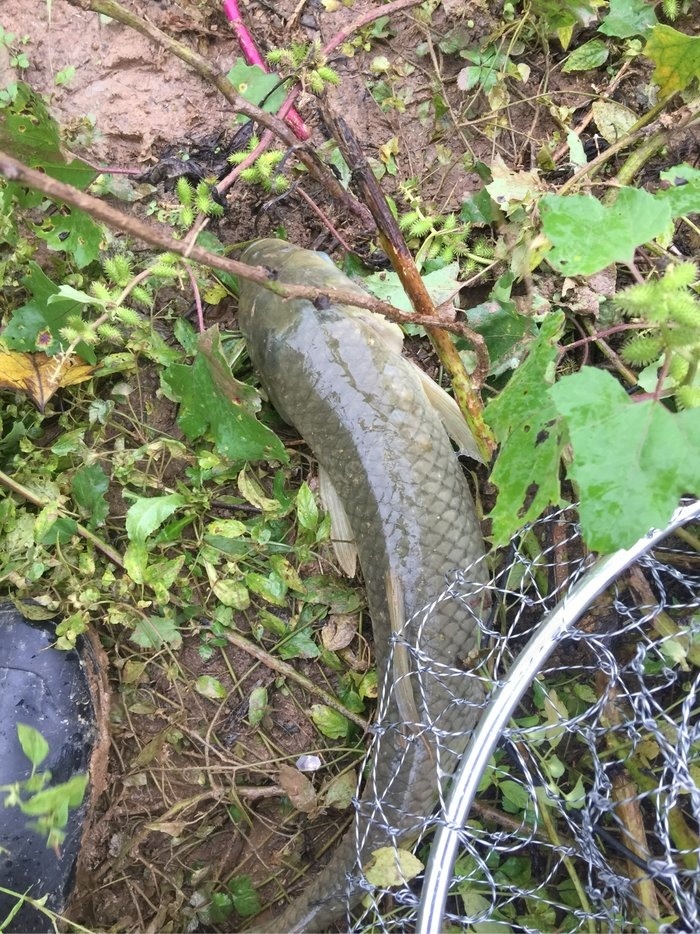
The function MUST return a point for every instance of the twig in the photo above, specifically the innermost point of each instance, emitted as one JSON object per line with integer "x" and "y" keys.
{"x": 89, "y": 536}
{"x": 282, "y": 668}
{"x": 16, "y": 171}
{"x": 392, "y": 241}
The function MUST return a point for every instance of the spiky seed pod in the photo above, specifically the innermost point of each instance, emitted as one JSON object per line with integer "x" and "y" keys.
{"x": 118, "y": 270}
{"x": 184, "y": 191}
{"x": 127, "y": 316}
{"x": 642, "y": 349}
{"x": 688, "y": 397}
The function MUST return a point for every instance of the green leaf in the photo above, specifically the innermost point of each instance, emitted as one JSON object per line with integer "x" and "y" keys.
{"x": 264, "y": 89}
{"x": 36, "y": 325}
{"x": 244, "y": 897}
{"x": 33, "y": 744}
{"x": 257, "y": 705}
{"x": 271, "y": 588}
{"x": 628, "y": 18}
{"x": 74, "y": 232}
{"x": 29, "y": 133}
{"x": 612, "y": 119}
{"x": 88, "y": 486}
{"x": 57, "y": 800}
{"x": 676, "y": 56}
{"x": 632, "y": 461}
{"x": 516, "y": 798}
{"x": 211, "y": 400}
{"x": 573, "y": 224}
{"x": 591, "y": 54}
{"x": 330, "y": 722}
{"x": 155, "y": 632}
{"x": 299, "y": 644}
{"x": 210, "y": 688}
{"x": 441, "y": 284}
{"x": 392, "y": 866}
{"x": 525, "y": 422}
{"x": 340, "y": 791}
{"x": 147, "y": 513}
{"x": 683, "y": 196}
{"x": 307, "y": 510}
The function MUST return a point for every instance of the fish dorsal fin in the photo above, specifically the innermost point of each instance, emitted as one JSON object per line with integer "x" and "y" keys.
{"x": 342, "y": 538}
{"x": 449, "y": 412}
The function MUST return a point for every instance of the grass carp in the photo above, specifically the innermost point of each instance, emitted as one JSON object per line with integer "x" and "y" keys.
{"x": 389, "y": 471}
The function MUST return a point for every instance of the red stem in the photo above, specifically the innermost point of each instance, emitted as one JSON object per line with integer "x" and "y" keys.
{"x": 252, "y": 56}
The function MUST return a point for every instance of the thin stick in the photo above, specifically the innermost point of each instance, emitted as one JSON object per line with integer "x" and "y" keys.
{"x": 394, "y": 244}
{"x": 275, "y": 664}
{"x": 14, "y": 170}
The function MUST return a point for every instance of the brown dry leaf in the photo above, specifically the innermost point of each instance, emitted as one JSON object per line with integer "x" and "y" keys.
{"x": 339, "y": 631}
{"x": 40, "y": 376}
{"x": 298, "y": 789}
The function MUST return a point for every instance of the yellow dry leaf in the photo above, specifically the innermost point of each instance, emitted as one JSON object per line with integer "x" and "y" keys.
{"x": 40, "y": 376}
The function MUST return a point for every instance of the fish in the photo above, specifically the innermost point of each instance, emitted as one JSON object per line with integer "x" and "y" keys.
{"x": 401, "y": 506}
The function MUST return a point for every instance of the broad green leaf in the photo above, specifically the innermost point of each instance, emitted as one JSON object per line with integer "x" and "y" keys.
{"x": 232, "y": 593}
{"x": 245, "y": 899}
{"x": 156, "y": 631}
{"x": 683, "y": 196}
{"x": 57, "y": 799}
{"x": 211, "y": 400}
{"x": 574, "y": 223}
{"x": 333, "y": 592}
{"x": 33, "y": 744}
{"x": 307, "y": 510}
{"x": 441, "y": 284}
{"x": 257, "y": 705}
{"x": 676, "y": 56}
{"x": 271, "y": 587}
{"x": 89, "y": 486}
{"x": 299, "y": 644}
{"x": 392, "y": 866}
{"x": 74, "y": 232}
{"x": 628, "y": 18}
{"x": 257, "y": 86}
{"x": 29, "y": 133}
{"x": 329, "y": 722}
{"x": 632, "y": 460}
{"x": 210, "y": 687}
{"x": 591, "y": 54}
{"x": 147, "y": 513}
{"x": 612, "y": 119}
{"x": 340, "y": 791}
{"x": 36, "y": 325}
{"x": 525, "y": 422}
{"x": 516, "y": 797}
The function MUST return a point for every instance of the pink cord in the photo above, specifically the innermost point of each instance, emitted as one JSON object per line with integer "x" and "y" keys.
{"x": 253, "y": 57}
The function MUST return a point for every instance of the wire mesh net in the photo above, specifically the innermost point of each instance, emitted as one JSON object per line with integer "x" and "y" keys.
{"x": 587, "y": 816}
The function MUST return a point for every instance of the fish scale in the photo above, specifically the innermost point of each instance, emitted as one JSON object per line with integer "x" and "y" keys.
{"x": 360, "y": 407}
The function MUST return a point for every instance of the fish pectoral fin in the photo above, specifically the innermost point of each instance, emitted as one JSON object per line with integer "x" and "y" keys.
{"x": 449, "y": 412}
{"x": 342, "y": 538}
{"x": 401, "y": 657}
{"x": 388, "y": 333}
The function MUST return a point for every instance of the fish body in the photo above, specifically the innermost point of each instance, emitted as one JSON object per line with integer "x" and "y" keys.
{"x": 337, "y": 375}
